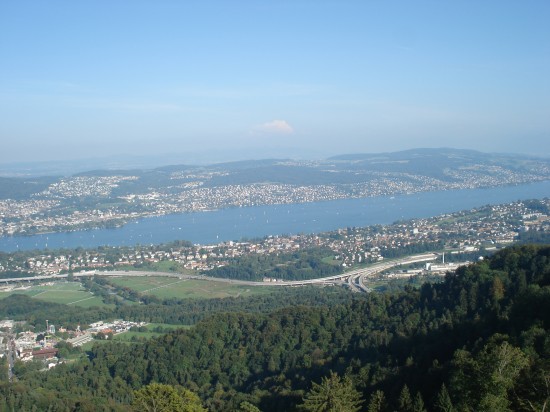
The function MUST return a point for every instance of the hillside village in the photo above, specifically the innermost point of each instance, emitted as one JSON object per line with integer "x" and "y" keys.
{"x": 51, "y": 344}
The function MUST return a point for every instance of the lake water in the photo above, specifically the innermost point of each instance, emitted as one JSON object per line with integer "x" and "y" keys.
{"x": 259, "y": 221}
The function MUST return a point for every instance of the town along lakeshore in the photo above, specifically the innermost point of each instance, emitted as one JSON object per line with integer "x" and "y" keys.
{"x": 259, "y": 221}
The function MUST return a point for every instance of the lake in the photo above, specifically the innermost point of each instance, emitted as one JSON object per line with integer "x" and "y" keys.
{"x": 260, "y": 221}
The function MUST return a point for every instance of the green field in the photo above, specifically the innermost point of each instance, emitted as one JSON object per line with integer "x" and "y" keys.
{"x": 167, "y": 287}
{"x": 72, "y": 293}
{"x": 137, "y": 337}
{"x": 331, "y": 261}
{"x": 68, "y": 293}
{"x": 131, "y": 336}
{"x": 152, "y": 326}
{"x": 164, "y": 266}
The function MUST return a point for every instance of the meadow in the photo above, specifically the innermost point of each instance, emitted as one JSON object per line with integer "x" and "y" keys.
{"x": 169, "y": 287}
{"x": 68, "y": 293}
{"x": 149, "y": 331}
{"x": 72, "y": 293}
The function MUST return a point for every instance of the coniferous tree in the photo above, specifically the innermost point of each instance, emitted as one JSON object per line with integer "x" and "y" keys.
{"x": 405, "y": 402}
{"x": 443, "y": 401}
{"x": 333, "y": 394}
{"x": 248, "y": 407}
{"x": 418, "y": 403}
{"x": 157, "y": 397}
{"x": 377, "y": 402}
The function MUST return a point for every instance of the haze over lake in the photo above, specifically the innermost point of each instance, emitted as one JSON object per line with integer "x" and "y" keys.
{"x": 238, "y": 223}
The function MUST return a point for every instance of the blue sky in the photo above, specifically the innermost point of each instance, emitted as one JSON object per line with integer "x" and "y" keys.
{"x": 271, "y": 78}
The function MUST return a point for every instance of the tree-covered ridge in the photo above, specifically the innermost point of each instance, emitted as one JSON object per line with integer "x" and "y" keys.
{"x": 477, "y": 341}
{"x": 299, "y": 265}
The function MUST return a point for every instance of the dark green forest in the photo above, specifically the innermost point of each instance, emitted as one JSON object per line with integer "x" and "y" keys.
{"x": 300, "y": 265}
{"x": 478, "y": 341}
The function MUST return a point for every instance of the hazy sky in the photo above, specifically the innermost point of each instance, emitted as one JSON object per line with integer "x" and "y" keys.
{"x": 80, "y": 79}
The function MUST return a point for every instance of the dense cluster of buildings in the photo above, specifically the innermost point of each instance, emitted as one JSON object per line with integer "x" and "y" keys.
{"x": 83, "y": 186}
{"x": 52, "y": 210}
{"x": 481, "y": 228}
{"x": 19, "y": 216}
{"x": 30, "y": 345}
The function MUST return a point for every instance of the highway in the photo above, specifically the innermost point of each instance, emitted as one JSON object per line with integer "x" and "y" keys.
{"x": 354, "y": 278}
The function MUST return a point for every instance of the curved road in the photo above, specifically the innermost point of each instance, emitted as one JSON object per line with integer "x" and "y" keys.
{"x": 353, "y": 278}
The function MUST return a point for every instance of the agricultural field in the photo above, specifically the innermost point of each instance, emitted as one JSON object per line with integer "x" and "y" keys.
{"x": 168, "y": 287}
{"x": 68, "y": 293}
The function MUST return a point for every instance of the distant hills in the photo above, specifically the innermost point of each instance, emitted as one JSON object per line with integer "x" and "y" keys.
{"x": 112, "y": 197}
{"x": 445, "y": 165}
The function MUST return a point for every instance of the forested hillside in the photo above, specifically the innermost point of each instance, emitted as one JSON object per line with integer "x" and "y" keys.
{"x": 477, "y": 341}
